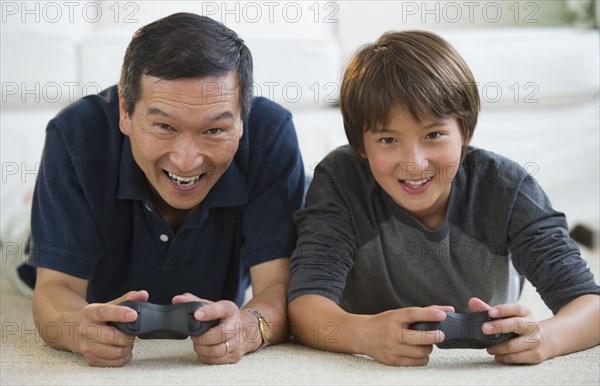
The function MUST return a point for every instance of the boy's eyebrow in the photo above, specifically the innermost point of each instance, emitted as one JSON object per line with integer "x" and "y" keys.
{"x": 441, "y": 122}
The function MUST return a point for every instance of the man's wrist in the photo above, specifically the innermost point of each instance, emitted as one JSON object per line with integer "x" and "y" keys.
{"x": 263, "y": 334}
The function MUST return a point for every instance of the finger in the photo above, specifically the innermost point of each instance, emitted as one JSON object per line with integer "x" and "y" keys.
{"x": 220, "y": 310}
{"x": 509, "y": 310}
{"x": 443, "y": 308}
{"x": 102, "y": 313}
{"x": 136, "y": 296}
{"x": 416, "y": 314}
{"x": 422, "y": 338}
{"x": 478, "y": 305}
{"x": 96, "y": 333}
{"x": 95, "y": 361}
{"x": 216, "y": 350}
{"x": 188, "y": 297}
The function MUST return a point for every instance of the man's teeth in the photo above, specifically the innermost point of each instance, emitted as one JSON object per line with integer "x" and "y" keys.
{"x": 184, "y": 181}
{"x": 416, "y": 183}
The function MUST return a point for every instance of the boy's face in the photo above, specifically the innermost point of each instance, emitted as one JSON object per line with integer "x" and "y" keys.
{"x": 415, "y": 163}
{"x": 184, "y": 134}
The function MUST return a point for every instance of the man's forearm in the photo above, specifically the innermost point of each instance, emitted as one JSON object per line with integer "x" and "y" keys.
{"x": 272, "y": 304}
{"x": 56, "y": 310}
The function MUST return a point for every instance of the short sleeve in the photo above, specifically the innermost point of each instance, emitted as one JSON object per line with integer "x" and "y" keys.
{"x": 63, "y": 235}
{"x": 276, "y": 186}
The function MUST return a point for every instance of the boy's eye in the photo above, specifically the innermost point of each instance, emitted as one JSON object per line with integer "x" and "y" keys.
{"x": 387, "y": 140}
{"x": 434, "y": 135}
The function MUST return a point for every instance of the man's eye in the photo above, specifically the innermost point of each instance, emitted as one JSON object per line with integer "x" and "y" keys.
{"x": 164, "y": 126}
{"x": 214, "y": 131}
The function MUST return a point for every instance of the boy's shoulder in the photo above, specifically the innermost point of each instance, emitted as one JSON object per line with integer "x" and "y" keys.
{"x": 343, "y": 161}
{"x": 488, "y": 166}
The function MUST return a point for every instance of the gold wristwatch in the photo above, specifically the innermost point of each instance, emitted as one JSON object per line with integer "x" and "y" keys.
{"x": 263, "y": 326}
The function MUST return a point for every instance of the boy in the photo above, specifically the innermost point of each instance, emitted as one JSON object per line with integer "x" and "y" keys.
{"x": 408, "y": 216}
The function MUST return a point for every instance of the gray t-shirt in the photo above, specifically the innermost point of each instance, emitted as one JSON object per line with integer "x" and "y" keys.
{"x": 358, "y": 248}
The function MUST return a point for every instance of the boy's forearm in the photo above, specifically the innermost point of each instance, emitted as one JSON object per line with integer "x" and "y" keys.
{"x": 575, "y": 327}
{"x": 326, "y": 326}
{"x": 56, "y": 311}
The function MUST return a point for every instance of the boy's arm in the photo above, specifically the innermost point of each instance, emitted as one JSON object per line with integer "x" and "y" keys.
{"x": 575, "y": 327}
{"x": 318, "y": 322}
{"x": 66, "y": 321}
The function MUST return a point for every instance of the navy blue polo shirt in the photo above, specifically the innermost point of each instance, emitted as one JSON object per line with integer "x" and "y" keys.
{"x": 92, "y": 217}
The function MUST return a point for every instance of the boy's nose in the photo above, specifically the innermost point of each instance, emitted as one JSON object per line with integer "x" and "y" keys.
{"x": 414, "y": 161}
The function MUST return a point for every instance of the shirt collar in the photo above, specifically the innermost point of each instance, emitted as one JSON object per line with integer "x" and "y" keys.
{"x": 230, "y": 190}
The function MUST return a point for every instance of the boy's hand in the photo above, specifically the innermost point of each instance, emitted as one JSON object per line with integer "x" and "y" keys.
{"x": 103, "y": 345}
{"x": 529, "y": 347}
{"x": 223, "y": 343}
{"x": 390, "y": 341}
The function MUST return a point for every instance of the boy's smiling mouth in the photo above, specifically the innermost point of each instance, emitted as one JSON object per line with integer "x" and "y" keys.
{"x": 416, "y": 186}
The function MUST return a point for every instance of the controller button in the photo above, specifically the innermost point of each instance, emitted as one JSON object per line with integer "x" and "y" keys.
{"x": 194, "y": 325}
{"x": 135, "y": 325}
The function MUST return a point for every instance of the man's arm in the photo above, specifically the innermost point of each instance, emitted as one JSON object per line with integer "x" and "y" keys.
{"x": 59, "y": 301}
{"x": 270, "y": 282}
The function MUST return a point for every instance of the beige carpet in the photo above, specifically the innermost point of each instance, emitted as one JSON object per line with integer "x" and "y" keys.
{"x": 26, "y": 360}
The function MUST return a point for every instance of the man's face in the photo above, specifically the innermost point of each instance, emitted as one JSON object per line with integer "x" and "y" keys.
{"x": 184, "y": 134}
{"x": 415, "y": 163}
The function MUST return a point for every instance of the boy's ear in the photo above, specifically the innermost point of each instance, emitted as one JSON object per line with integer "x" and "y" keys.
{"x": 124, "y": 120}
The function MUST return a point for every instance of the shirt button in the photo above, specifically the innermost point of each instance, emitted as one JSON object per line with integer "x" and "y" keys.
{"x": 148, "y": 207}
{"x": 164, "y": 238}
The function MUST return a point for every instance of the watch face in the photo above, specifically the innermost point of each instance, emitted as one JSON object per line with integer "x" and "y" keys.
{"x": 265, "y": 331}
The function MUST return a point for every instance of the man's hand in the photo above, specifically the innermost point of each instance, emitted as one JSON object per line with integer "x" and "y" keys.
{"x": 103, "y": 345}
{"x": 529, "y": 347}
{"x": 390, "y": 340}
{"x": 224, "y": 343}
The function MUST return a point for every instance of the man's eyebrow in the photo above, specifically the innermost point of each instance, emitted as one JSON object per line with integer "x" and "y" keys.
{"x": 157, "y": 111}
{"x": 224, "y": 115}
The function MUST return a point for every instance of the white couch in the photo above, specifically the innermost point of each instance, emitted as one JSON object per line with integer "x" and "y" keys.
{"x": 537, "y": 73}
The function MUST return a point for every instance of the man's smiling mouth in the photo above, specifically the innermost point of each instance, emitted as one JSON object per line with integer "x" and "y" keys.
{"x": 184, "y": 181}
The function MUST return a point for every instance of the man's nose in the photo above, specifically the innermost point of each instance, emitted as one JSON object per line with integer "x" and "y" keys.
{"x": 187, "y": 155}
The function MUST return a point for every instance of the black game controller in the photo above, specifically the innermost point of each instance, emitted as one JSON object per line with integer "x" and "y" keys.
{"x": 463, "y": 330}
{"x": 155, "y": 321}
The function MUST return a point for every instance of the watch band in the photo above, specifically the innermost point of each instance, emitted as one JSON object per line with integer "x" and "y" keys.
{"x": 263, "y": 326}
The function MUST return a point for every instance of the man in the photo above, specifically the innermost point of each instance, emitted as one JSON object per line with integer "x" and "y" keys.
{"x": 175, "y": 186}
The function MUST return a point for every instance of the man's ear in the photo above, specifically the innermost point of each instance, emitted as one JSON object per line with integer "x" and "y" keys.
{"x": 124, "y": 120}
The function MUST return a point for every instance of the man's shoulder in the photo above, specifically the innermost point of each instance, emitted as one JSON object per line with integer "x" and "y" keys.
{"x": 90, "y": 125}
{"x": 267, "y": 116}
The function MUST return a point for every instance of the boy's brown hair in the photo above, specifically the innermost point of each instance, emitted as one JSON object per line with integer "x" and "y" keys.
{"x": 417, "y": 71}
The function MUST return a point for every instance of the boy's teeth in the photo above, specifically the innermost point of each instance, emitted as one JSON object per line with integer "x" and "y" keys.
{"x": 183, "y": 180}
{"x": 416, "y": 183}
